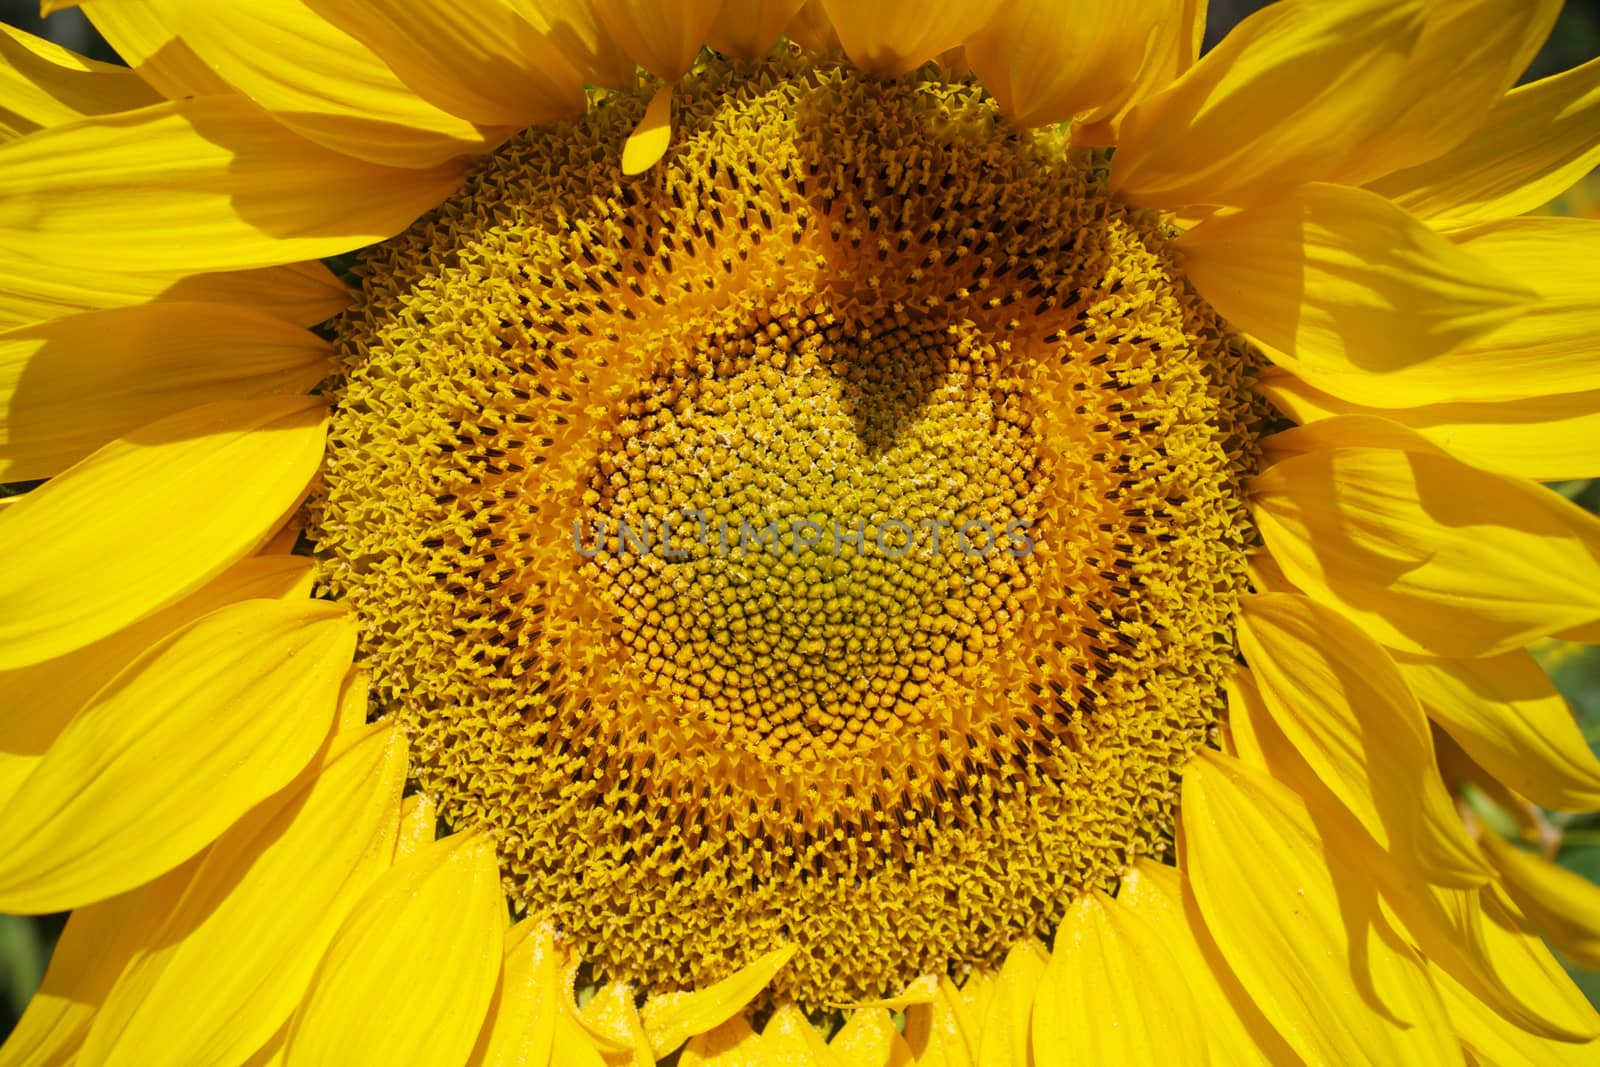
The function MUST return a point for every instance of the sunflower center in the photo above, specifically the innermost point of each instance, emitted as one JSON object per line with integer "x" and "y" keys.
{"x": 831, "y": 535}
{"x": 809, "y": 528}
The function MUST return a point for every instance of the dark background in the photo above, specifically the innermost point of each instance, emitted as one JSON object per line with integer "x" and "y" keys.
{"x": 25, "y": 942}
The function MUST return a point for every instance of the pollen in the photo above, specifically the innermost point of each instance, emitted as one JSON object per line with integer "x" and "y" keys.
{"x": 830, "y": 536}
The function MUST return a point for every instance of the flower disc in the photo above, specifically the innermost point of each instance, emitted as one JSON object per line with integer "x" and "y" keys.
{"x": 831, "y": 535}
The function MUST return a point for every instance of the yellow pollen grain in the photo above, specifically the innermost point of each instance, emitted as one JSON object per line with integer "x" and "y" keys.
{"x": 868, "y": 311}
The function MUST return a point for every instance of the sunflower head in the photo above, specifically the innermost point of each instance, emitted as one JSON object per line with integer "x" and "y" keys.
{"x": 818, "y": 515}
{"x": 802, "y": 505}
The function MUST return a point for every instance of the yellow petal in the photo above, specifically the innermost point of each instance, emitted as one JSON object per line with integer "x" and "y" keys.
{"x": 94, "y": 949}
{"x": 1424, "y": 552}
{"x": 497, "y": 63}
{"x": 790, "y": 1039}
{"x": 66, "y": 388}
{"x": 1564, "y": 905}
{"x": 1235, "y": 1031}
{"x": 305, "y": 294}
{"x": 1505, "y": 713}
{"x": 43, "y": 84}
{"x": 1561, "y": 998}
{"x": 1450, "y": 927}
{"x": 810, "y": 28}
{"x": 44, "y": 697}
{"x": 285, "y": 537}
{"x": 1307, "y": 942}
{"x": 1248, "y": 719}
{"x": 868, "y": 1039}
{"x": 920, "y": 990}
{"x": 1545, "y": 438}
{"x": 1112, "y": 993}
{"x": 649, "y": 140}
{"x": 1186, "y": 50}
{"x": 302, "y": 293}
{"x": 1469, "y": 54}
{"x": 662, "y": 36}
{"x": 1460, "y": 770}
{"x": 270, "y": 1054}
{"x": 1497, "y": 956}
{"x": 572, "y": 1046}
{"x": 612, "y": 1021}
{"x": 1048, "y": 61}
{"x": 329, "y": 87}
{"x": 143, "y": 34}
{"x": 1337, "y": 280}
{"x": 670, "y": 1023}
{"x": 939, "y": 1033}
{"x": 148, "y": 519}
{"x": 585, "y": 40}
{"x": 1536, "y": 141}
{"x": 730, "y": 1044}
{"x": 1005, "y": 1037}
{"x": 418, "y": 825}
{"x": 258, "y": 915}
{"x": 1548, "y": 349}
{"x": 892, "y": 37}
{"x": 354, "y": 700}
{"x": 1343, "y": 703}
{"x": 1280, "y": 101}
{"x": 1172, "y": 50}
{"x": 521, "y": 1026}
{"x": 173, "y": 750}
{"x": 1403, "y": 995}
{"x": 1492, "y": 1040}
{"x": 198, "y": 185}
{"x": 410, "y": 973}
{"x": 971, "y": 1005}
{"x": 748, "y": 30}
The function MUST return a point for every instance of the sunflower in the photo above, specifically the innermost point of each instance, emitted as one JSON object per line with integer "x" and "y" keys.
{"x": 594, "y": 532}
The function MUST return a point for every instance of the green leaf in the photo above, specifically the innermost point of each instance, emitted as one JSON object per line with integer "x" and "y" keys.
{"x": 25, "y": 945}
